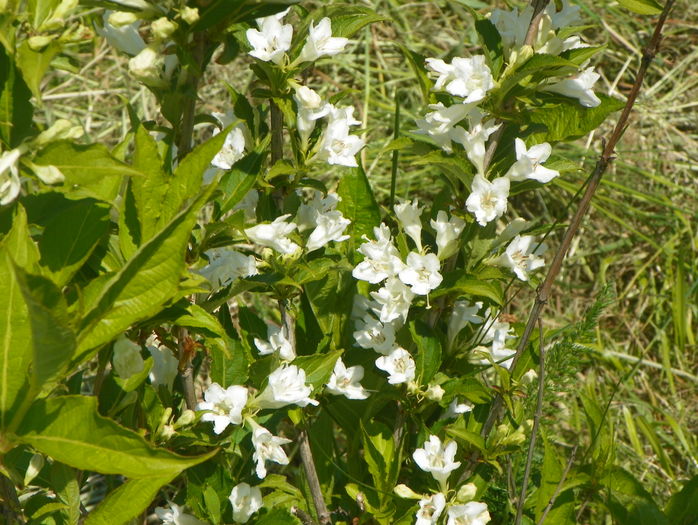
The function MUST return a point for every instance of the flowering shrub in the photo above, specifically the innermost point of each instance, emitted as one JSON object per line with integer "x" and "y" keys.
{"x": 196, "y": 324}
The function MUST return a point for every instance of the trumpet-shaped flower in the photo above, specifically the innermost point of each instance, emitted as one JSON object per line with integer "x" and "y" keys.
{"x": 528, "y": 163}
{"x": 224, "y": 407}
{"x": 568, "y": 15}
{"x": 579, "y": 86}
{"x": 123, "y": 37}
{"x": 272, "y": 40}
{"x": 399, "y": 364}
{"x": 488, "y": 200}
{"x": 286, "y": 387}
{"x": 233, "y": 149}
{"x": 308, "y": 212}
{"x": 437, "y": 458}
{"x": 522, "y": 256}
{"x": 337, "y": 145}
{"x": 267, "y": 447}
{"x": 10, "y": 184}
{"x": 320, "y": 42}
{"x": 469, "y": 78}
{"x": 512, "y": 25}
{"x": 371, "y": 333}
{"x": 421, "y": 273}
{"x": 345, "y": 381}
{"x": 175, "y": 515}
{"x": 330, "y": 227}
{"x": 274, "y": 235}
{"x": 430, "y": 509}
{"x": 277, "y": 342}
{"x": 226, "y": 265}
{"x": 311, "y": 107}
{"x": 394, "y": 299}
{"x": 441, "y": 124}
{"x": 472, "y": 513}
{"x": 462, "y": 315}
{"x": 408, "y": 214}
{"x": 447, "y": 233}
{"x": 474, "y": 141}
{"x": 246, "y": 501}
{"x": 381, "y": 258}
{"x": 165, "y": 365}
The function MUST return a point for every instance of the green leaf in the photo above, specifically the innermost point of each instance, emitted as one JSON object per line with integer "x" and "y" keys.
{"x": 71, "y": 236}
{"x": 240, "y": 179}
{"x": 492, "y": 43}
{"x": 318, "y": 368}
{"x": 347, "y": 19}
{"x": 142, "y": 286}
{"x": 466, "y": 436}
{"x": 70, "y": 430}
{"x": 90, "y": 171}
{"x": 358, "y": 204}
{"x": 428, "y": 358}
{"x": 682, "y": 508}
{"x": 127, "y": 501}
{"x": 35, "y": 63}
{"x": 16, "y": 110}
{"x": 456, "y": 282}
{"x": 19, "y": 243}
{"x": 642, "y": 7}
{"x": 551, "y": 474}
{"x": 200, "y": 321}
{"x": 379, "y": 454}
{"x": 231, "y": 368}
{"x": 629, "y": 501}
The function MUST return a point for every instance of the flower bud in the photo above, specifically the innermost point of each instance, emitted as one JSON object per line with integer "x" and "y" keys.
{"x": 37, "y": 43}
{"x": 529, "y": 377}
{"x": 60, "y": 130}
{"x": 36, "y": 463}
{"x": 163, "y": 28}
{"x": 405, "y": 492}
{"x": 189, "y": 14}
{"x": 146, "y": 67}
{"x": 186, "y": 419}
{"x": 434, "y": 393}
{"x": 122, "y": 18}
{"x": 466, "y": 493}
{"x": 10, "y": 184}
{"x": 48, "y": 174}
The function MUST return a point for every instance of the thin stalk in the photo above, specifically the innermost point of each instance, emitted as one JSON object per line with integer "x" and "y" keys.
{"x": 313, "y": 482}
{"x": 186, "y": 369}
{"x": 396, "y": 152}
{"x": 558, "y": 489}
{"x": 544, "y": 290}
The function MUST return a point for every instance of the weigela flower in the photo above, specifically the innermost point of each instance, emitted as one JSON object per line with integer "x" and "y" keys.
{"x": 10, "y": 184}
{"x": 277, "y": 342}
{"x": 320, "y": 42}
{"x": 189, "y": 14}
{"x": 165, "y": 365}
{"x": 233, "y": 149}
{"x": 330, "y": 227}
{"x": 127, "y": 359}
{"x": 274, "y": 235}
{"x": 437, "y": 458}
{"x": 522, "y": 256}
{"x": 528, "y": 163}
{"x": 226, "y": 265}
{"x": 447, "y": 233}
{"x": 421, "y": 273}
{"x": 497, "y": 333}
{"x": 311, "y": 107}
{"x": 430, "y": 509}
{"x": 441, "y": 124}
{"x": 286, "y": 387}
{"x": 394, "y": 299}
{"x": 472, "y": 513}
{"x": 399, "y": 365}
{"x": 267, "y": 447}
{"x": 371, "y": 333}
{"x": 381, "y": 257}
{"x": 469, "y": 78}
{"x": 463, "y": 313}
{"x": 147, "y": 67}
{"x": 512, "y": 25}
{"x": 408, "y": 214}
{"x": 345, "y": 381}
{"x": 474, "y": 141}
{"x": 124, "y": 37}
{"x": 579, "y": 86}
{"x": 455, "y": 408}
{"x": 488, "y": 200}
{"x": 272, "y": 40}
{"x": 224, "y": 406}
{"x": 306, "y": 217}
{"x": 337, "y": 145}
{"x": 175, "y": 516}
{"x": 568, "y": 15}
{"x": 246, "y": 501}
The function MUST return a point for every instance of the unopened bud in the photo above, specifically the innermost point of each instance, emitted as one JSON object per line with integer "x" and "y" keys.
{"x": 466, "y": 493}
{"x": 190, "y": 15}
{"x": 163, "y": 28}
{"x": 405, "y": 492}
{"x": 529, "y": 377}
{"x": 36, "y": 463}
{"x": 122, "y": 18}
{"x": 37, "y": 43}
{"x": 186, "y": 419}
{"x": 434, "y": 393}
{"x": 62, "y": 129}
{"x": 48, "y": 174}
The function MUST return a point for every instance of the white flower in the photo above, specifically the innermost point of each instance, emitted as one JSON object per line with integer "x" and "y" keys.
{"x": 437, "y": 458}
{"x": 371, "y": 333}
{"x": 528, "y": 163}
{"x": 474, "y": 141}
{"x": 176, "y": 516}
{"x": 434, "y": 393}
{"x": 408, "y": 215}
{"x": 277, "y": 343}
{"x": 497, "y": 333}
{"x": 488, "y": 200}
{"x": 274, "y": 235}
{"x": 10, "y": 184}
{"x": 272, "y": 40}
{"x": 337, "y": 145}
{"x": 165, "y": 365}
{"x": 567, "y": 16}
{"x": 469, "y": 78}
{"x": 321, "y": 42}
{"x": 512, "y": 25}
{"x": 430, "y": 509}
{"x": 163, "y": 28}
{"x": 472, "y": 513}
{"x": 226, "y": 265}
{"x": 381, "y": 258}
{"x": 579, "y": 86}
{"x": 310, "y": 108}
{"x": 399, "y": 365}
{"x": 345, "y": 381}
{"x": 147, "y": 67}
{"x": 189, "y": 14}
{"x": 246, "y": 501}
{"x": 127, "y": 359}
{"x": 463, "y": 314}
{"x": 48, "y": 174}
{"x": 267, "y": 447}
{"x": 447, "y": 233}
{"x": 440, "y": 124}
{"x": 307, "y": 214}
{"x": 286, "y": 387}
{"x": 421, "y": 273}
{"x": 394, "y": 299}
{"x": 454, "y": 408}
{"x": 125, "y": 38}
{"x": 520, "y": 259}
{"x": 248, "y": 205}
{"x": 224, "y": 406}
{"x": 330, "y": 227}
{"x": 233, "y": 149}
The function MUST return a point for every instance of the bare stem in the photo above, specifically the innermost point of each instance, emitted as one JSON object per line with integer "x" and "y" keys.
{"x": 186, "y": 127}
{"x": 313, "y": 482}
{"x": 559, "y": 486}
{"x": 186, "y": 369}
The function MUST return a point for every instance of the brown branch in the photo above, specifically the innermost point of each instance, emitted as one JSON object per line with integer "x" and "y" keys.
{"x": 185, "y": 345}
{"x": 313, "y": 482}
{"x": 544, "y": 290}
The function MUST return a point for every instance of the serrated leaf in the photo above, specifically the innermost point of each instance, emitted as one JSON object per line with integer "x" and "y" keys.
{"x": 70, "y": 430}
{"x": 642, "y": 7}
{"x": 379, "y": 454}
{"x": 428, "y": 357}
{"x": 236, "y": 183}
